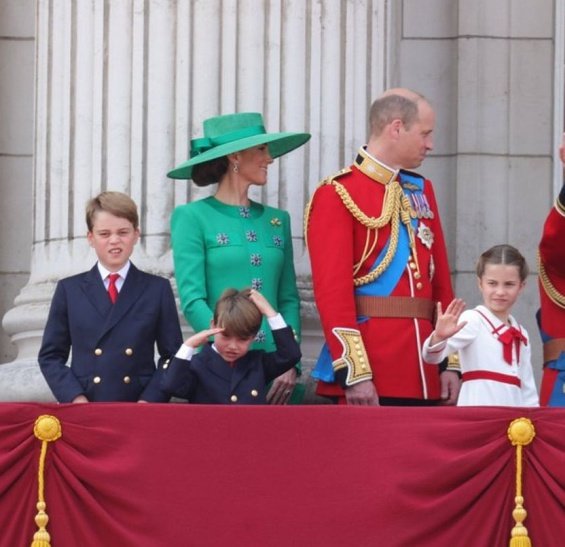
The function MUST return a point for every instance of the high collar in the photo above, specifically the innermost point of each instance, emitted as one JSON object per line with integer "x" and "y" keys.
{"x": 373, "y": 168}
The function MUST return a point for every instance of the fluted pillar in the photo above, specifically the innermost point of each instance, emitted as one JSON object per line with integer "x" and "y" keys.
{"x": 122, "y": 86}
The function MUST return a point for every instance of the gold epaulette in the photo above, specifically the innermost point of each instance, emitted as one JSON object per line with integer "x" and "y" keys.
{"x": 335, "y": 176}
{"x": 308, "y": 208}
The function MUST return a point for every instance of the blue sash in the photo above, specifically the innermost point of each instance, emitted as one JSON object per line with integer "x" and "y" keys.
{"x": 382, "y": 285}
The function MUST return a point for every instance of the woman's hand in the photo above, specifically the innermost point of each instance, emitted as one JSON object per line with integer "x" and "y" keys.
{"x": 282, "y": 387}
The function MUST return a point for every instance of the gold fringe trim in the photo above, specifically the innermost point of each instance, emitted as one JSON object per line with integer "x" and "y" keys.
{"x": 521, "y": 432}
{"x": 47, "y": 429}
{"x": 553, "y": 294}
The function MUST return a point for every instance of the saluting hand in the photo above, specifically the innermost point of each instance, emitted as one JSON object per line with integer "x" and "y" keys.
{"x": 200, "y": 338}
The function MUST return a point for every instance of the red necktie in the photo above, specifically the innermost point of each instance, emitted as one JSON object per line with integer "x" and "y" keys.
{"x": 510, "y": 335}
{"x": 112, "y": 289}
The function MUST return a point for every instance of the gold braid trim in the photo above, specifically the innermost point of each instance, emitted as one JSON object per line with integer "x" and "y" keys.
{"x": 396, "y": 208}
{"x": 354, "y": 357}
{"x": 553, "y": 294}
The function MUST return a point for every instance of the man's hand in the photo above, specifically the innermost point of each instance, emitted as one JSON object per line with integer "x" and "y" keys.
{"x": 363, "y": 393}
{"x": 80, "y": 399}
{"x": 450, "y": 386}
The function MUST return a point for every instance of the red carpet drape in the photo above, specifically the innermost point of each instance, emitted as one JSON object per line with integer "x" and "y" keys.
{"x": 150, "y": 475}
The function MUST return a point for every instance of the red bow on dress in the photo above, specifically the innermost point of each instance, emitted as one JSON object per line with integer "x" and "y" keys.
{"x": 511, "y": 334}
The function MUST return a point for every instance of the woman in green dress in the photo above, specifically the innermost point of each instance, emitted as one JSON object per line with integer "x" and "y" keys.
{"x": 228, "y": 240}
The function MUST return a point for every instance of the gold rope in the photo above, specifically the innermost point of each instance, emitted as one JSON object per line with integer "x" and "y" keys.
{"x": 396, "y": 209}
{"x": 521, "y": 432}
{"x": 553, "y": 294}
{"x": 46, "y": 429}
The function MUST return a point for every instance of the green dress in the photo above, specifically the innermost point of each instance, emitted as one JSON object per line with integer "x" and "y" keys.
{"x": 218, "y": 246}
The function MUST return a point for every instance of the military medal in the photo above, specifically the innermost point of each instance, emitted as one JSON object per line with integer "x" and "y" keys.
{"x": 428, "y": 210}
{"x": 415, "y": 205}
{"x": 425, "y": 235}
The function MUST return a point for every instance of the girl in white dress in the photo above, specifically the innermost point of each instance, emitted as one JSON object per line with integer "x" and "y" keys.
{"x": 494, "y": 349}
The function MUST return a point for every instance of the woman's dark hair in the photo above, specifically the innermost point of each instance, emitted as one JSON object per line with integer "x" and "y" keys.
{"x": 210, "y": 172}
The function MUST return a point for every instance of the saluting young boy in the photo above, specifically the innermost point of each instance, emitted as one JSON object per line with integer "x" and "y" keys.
{"x": 226, "y": 370}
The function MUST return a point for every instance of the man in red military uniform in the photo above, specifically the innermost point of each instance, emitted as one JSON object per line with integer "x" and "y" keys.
{"x": 551, "y": 265}
{"x": 379, "y": 264}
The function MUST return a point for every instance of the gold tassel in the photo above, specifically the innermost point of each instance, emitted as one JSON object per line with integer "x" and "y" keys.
{"x": 521, "y": 432}
{"x": 46, "y": 429}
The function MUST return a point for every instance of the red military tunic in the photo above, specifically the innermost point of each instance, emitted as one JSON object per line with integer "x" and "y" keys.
{"x": 343, "y": 245}
{"x": 552, "y": 298}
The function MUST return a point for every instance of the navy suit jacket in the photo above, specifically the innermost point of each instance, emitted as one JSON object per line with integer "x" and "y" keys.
{"x": 208, "y": 378}
{"x": 113, "y": 345}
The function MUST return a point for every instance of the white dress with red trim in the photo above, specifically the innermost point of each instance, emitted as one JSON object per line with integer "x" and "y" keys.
{"x": 495, "y": 360}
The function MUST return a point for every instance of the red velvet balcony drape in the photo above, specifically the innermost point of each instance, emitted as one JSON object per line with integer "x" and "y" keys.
{"x": 149, "y": 475}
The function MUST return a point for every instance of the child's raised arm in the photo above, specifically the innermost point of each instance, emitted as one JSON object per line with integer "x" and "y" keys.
{"x": 447, "y": 323}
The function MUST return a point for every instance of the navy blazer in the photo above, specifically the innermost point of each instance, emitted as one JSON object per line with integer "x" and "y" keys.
{"x": 113, "y": 345}
{"x": 208, "y": 378}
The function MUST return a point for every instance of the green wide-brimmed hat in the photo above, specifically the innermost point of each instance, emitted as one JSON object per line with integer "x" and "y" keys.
{"x": 231, "y": 133}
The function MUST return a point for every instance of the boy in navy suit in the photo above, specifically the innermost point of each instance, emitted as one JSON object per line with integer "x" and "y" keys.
{"x": 111, "y": 316}
{"x": 225, "y": 371}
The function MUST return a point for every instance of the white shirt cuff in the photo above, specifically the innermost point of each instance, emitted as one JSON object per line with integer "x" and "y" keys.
{"x": 185, "y": 352}
{"x": 276, "y": 322}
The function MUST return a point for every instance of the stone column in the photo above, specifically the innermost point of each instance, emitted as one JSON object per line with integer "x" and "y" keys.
{"x": 122, "y": 86}
{"x": 103, "y": 120}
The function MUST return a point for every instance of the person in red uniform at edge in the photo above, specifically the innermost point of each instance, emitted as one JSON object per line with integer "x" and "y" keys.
{"x": 551, "y": 318}
{"x": 379, "y": 265}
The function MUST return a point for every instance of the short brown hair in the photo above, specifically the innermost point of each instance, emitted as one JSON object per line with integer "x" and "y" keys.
{"x": 210, "y": 172}
{"x": 390, "y": 107}
{"x": 506, "y": 255}
{"x": 237, "y": 314}
{"x": 116, "y": 203}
